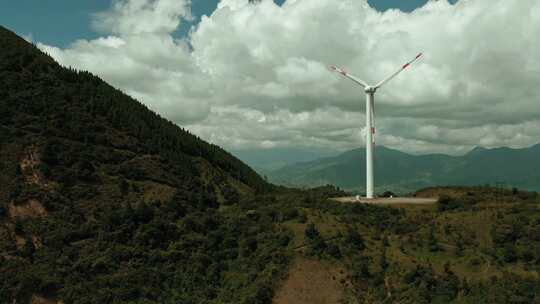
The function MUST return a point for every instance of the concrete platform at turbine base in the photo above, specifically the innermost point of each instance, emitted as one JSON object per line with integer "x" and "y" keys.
{"x": 387, "y": 200}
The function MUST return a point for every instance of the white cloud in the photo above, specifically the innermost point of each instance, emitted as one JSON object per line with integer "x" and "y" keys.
{"x": 255, "y": 75}
{"x": 140, "y": 56}
{"x": 28, "y": 37}
{"x": 142, "y": 16}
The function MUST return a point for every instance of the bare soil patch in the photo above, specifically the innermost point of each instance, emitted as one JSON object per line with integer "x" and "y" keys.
{"x": 29, "y": 163}
{"x": 37, "y": 299}
{"x": 312, "y": 282}
{"x": 31, "y": 208}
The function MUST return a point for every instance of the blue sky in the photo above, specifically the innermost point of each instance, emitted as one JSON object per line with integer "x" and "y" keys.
{"x": 60, "y": 22}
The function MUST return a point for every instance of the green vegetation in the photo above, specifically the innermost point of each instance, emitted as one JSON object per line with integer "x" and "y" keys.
{"x": 477, "y": 245}
{"x": 103, "y": 201}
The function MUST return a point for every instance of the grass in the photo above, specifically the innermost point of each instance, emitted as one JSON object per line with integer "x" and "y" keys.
{"x": 474, "y": 227}
{"x": 328, "y": 225}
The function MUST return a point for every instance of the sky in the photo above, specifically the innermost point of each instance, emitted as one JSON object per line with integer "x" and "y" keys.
{"x": 61, "y": 22}
{"x": 248, "y": 76}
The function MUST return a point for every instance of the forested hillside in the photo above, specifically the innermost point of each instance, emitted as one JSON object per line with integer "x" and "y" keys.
{"x": 47, "y": 100}
{"x": 102, "y": 199}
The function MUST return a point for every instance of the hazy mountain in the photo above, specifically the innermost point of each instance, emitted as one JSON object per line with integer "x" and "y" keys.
{"x": 276, "y": 158}
{"x": 399, "y": 171}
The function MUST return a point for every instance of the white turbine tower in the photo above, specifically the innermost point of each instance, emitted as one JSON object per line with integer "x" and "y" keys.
{"x": 370, "y": 118}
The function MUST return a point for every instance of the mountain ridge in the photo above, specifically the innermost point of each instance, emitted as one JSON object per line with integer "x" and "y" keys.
{"x": 103, "y": 200}
{"x": 403, "y": 172}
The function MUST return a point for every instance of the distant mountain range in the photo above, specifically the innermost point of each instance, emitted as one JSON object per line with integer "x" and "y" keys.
{"x": 264, "y": 160}
{"x": 401, "y": 172}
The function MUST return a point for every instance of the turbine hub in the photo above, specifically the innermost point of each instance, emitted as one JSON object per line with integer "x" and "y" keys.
{"x": 370, "y": 89}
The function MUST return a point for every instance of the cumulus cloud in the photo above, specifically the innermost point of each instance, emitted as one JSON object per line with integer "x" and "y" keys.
{"x": 139, "y": 54}
{"x": 142, "y": 16}
{"x": 254, "y": 75}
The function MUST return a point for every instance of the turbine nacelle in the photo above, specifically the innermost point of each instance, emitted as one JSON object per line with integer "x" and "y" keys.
{"x": 370, "y": 90}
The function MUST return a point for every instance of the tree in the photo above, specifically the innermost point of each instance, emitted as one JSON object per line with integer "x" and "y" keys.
{"x": 385, "y": 241}
{"x": 334, "y": 251}
{"x": 509, "y": 253}
{"x": 311, "y": 232}
{"x": 302, "y": 218}
{"x": 354, "y": 239}
{"x": 124, "y": 187}
{"x": 360, "y": 268}
{"x": 383, "y": 262}
{"x": 432, "y": 241}
{"x": 388, "y": 194}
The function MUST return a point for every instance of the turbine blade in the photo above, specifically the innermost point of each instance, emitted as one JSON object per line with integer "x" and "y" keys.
{"x": 351, "y": 77}
{"x": 380, "y": 84}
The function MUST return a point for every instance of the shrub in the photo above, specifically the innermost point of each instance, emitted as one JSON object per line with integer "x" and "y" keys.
{"x": 334, "y": 251}
{"x": 509, "y": 254}
{"x": 302, "y": 218}
{"x": 290, "y": 213}
{"x": 447, "y": 203}
{"x": 311, "y": 232}
{"x": 360, "y": 268}
{"x": 354, "y": 240}
{"x": 476, "y": 261}
{"x": 388, "y": 194}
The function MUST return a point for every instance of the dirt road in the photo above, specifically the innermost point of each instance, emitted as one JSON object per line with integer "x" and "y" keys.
{"x": 387, "y": 200}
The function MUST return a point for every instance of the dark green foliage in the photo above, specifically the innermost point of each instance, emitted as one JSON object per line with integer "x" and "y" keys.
{"x": 447, "y": 203}
{"x": 511, "y": 288}
{"x": 311, "y": 232}
{"x": 433, "y": 245}
{"x": 290, "y": 213}
{"x": 139, "y": 254}
{"x": 317, "y": 245}
{"x": 354, "y": 240}
{"x": 383, "y": 262}
{"x": 80, "y": 107}
{"x": 428, "y": 288}
{"x": 131, "y": 199}
{"x": 302, "y": 218}
{"x": 388, "y": 194}
{"x": 509, "y": 254}
{"x": 360, "y": 268}
{"x": 334, "y": 251}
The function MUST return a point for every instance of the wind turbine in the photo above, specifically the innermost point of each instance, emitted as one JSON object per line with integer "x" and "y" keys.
{"x": 370, "y": 117}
